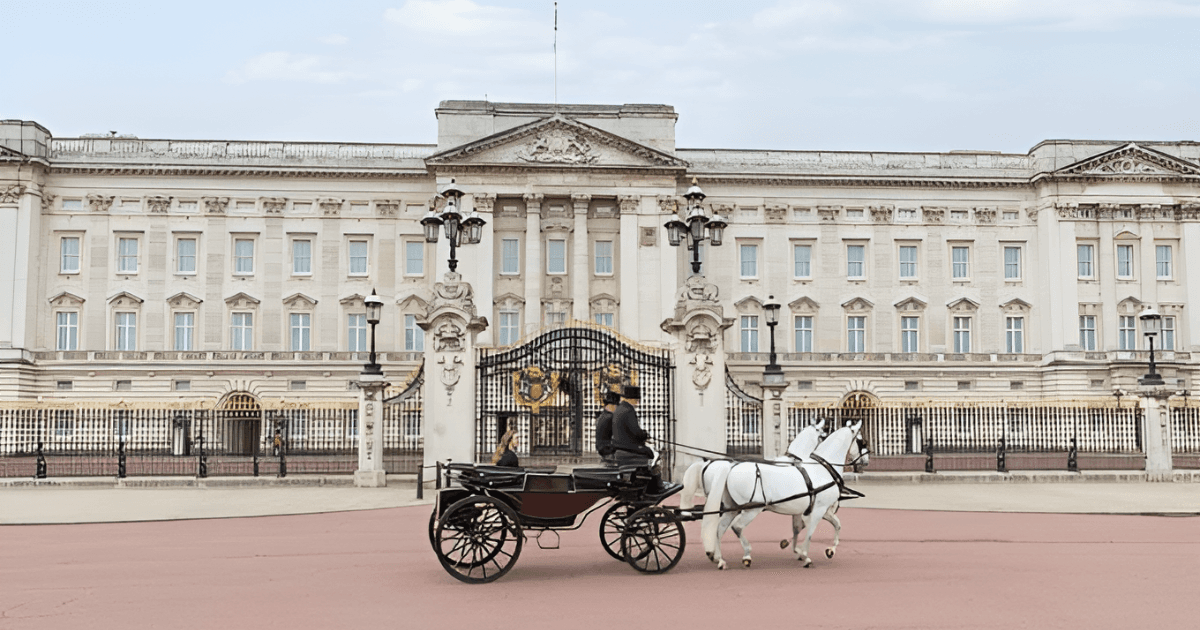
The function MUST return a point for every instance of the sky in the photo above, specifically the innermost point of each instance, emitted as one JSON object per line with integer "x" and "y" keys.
{"x": 886, "y": 75}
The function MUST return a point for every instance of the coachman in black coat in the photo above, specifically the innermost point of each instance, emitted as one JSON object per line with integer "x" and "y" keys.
{"x": 629, "y": 439}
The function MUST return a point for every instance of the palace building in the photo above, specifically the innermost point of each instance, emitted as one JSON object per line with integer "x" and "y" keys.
{"x": 185, "y": 270}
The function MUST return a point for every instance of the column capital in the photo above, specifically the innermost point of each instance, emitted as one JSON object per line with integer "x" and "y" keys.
{"x": 629, "y": 203}
{"x": 483, "y": 202}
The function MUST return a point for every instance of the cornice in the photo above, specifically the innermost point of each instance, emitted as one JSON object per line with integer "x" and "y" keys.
{"x": 852, "y": 181}
{"x": 231, "y": 171}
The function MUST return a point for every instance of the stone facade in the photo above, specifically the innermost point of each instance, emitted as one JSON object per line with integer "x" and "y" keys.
{"x": 163, "y": 268}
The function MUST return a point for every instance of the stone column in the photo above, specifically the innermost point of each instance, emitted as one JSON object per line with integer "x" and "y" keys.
{"x": 484, "y": 255}
{"x": 629, "y": 318}
{"x": 698, "y": 325}
{"x": 1157, "y": 431}
{"x": 451, "y": 325}
{"x": 534, "y": 269}
{"x": 581, "y": 272}
{"x": 772, "y": 429}
{"x": 370, "y": 473}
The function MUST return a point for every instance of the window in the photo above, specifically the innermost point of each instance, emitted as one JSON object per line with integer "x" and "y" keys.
{"x": 555, "y": 318}
{"x": 65, "y": 385}
{"x": 358, "y": 258}
{"x": 1168, "y": 333}
{"x": 748, "y": 254}
{"x": 906, "y": 214}
{"x": 68, "y": 330}
{"x": 1087, "y": 332}
{"x": 1125, "y": 262}
{"x": 69, "y": 255}
{"x": 1012, "y": 263}
{"x": 556, "y": 256}
{"x": 856, "y": 333}
{"x": 185, "y": 256}
{"x": 414, "y": 258}
{"x": 1127, "y": 333}
{"x": 804, "y": 333}
{"x": 127, "y": 255}
{"x": 127, "y": 331}
{"x": 241, "y": 331}
{"x": 960, "y": 257}
{"x": 509, "y": 327}
{"x": 1162, "y": 256}
{"x": 301, "y": 325}
{"x": 123, "y": 386}
{"x": 1014, "y": 335}
{"x": 908, "y": 261}
{"x": 604, "y": 258}
{"x": 414, "y": 337}
{"x": 962, "y": 334}
{"x": 856, "y": 256}
{"x": 510, "y": 256}
{"x": 185, "y": 330}
{"x": 803, "y": 256}
{"x": 909, "y": 338}
{"x": 301, "y": 257}
{"x": 298, "y": 386}
{"x": 356, "y": 332}
{"x": 1085, "y": 255}
{"x": 1010, "y": 215}
{"x": 749, "y": 333}
{"x": 604, "y": 319}
{"x": 183, "y": 386}
{"x": 72, "y": 205}
{"x": 243, "y": 256}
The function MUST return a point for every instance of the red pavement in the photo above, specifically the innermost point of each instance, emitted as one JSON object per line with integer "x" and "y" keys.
{"x": 894, "y": 569}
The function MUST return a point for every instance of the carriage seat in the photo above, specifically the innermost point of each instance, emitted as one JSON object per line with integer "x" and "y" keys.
{"x": 600, "y": 478}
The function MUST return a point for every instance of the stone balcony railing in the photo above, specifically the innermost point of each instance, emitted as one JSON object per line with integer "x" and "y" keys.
{"x": 223, "y": 356}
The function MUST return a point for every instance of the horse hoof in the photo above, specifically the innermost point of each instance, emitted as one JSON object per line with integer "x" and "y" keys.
{"x": 721, "y": 565}
{"x": 807, "y": 563}
{"x": 746, "y": 562}
{"x": 829, "y": 553}
{"x": 783, "y": 544}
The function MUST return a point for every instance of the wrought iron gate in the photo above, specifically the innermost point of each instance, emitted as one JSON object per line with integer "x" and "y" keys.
{"x": 550, "y": 390}
{"x": 403, "y": 439}
{"x": 743, "y": 420}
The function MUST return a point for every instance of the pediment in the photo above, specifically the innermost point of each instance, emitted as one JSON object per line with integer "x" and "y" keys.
{"x": 509, "y": 300}
{"x": 748, "y": 304}
{"x": 858, "y": 304}
{"x": 66, "y": 299}
{"x": 1131, "y": 161}
{"x": 241, "y": 300}
{"x": 804, "y": 304}
{"x": 353, "y": 299}
{"x": 1130, "y": 305}
{"x": 1016, "y": 304}
{"x": 963, "y": 304}
{"x": 125, "y": 298}
{"x": 299, "y": 301}
{"x": 412, "y": 302}
{"x": 604, "y": 300}
{"x": 184, "y": 299}
{"x": 556, "y": 141}
{"x": 911, "y": 304}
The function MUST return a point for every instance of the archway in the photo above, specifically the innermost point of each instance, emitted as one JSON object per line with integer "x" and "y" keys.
{"x": 239, "y": 418}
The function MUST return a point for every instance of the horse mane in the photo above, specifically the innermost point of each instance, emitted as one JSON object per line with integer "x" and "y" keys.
{"x": 836, "y": 445}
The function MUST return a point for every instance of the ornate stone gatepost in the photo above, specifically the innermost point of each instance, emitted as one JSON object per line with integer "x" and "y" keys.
{"x": 370, "y": 473}
{"x": 451, "y": 326}
{"x": 1157, "y": 431}
{"x": 772, "y": 418}
{"x": 699, "y": 324}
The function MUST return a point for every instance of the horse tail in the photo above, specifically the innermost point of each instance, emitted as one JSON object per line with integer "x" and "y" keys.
{"x": 712, "y": 510}
{"x": 693, "y": 479}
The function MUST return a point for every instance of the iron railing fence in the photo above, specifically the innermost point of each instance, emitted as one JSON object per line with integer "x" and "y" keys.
{"x": 403, "y": 426}
{"x": 743, "y": 420}
{"x": 978, "y": 426}
{"x": 1185, "y": 429}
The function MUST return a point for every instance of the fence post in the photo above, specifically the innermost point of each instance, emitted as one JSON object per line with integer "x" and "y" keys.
{"x": 203, "y": 471}
{"x": 255, "y": 463}
{"x": 1001, "y": 464}
{"x": 1073, "y": 457}
{"x": 438, "y": 482}
{"x": 420, "y": 481}
{"x": 929, "y": 456}
{"x": 41, "y": 463}
{"x": 121, "y": 460}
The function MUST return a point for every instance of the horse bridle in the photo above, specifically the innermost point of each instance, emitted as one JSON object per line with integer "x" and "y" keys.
{"x": 863, "y": 449}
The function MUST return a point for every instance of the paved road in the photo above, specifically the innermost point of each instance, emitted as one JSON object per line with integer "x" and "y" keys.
{"x": 374, "y": 568}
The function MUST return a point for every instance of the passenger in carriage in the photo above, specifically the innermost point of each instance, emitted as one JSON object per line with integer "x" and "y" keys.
{"x": 604, "y": 427}
{"x": 506, "y": 450}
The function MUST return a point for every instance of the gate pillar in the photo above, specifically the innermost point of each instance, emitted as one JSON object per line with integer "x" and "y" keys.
{"x": 370, "y": 473}
{"x": 1156, "y": 416}
{"x": 451, "y": 325}
{"x": 699, "y": 324}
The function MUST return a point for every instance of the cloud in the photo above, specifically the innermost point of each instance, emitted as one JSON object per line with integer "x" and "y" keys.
{"x": 334, "y": 40}
{"x": 285, "y": 66}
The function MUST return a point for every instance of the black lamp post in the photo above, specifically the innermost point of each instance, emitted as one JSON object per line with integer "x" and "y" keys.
{"x": 773, "y": 375}
{"x": 459, "y": 231}
{"x": 694, "y": 226}
{"x": 374, "y": 306}
{"x": 1151, "y": 325}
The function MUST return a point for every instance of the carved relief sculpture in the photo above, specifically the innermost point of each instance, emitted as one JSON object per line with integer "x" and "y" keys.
{"x": 451, "y": 372}
{"x": 668, "y": 204}
{"x": 702, "y": 374}
{"x": 448, "y": 338}
{"x": 629, "y": 204}
{"x": 933, "y": 215}
{"x": 829, "y": 213}
{"x": 274, "y": 205}
{"x": 452, "y": 292}
{"x": 12, "y": 194}
{"x": 100, "y": 203}
{"x": 331, "y": 207}
{"x": 158, "y": 205}
{"x": 776, "y": 213}
{"x": 881, "y": 214}
{"x": 215, "y": 205}
{"x": 985, "y": 215}
{"x": 47, "y": 201}
{"x": 558, "y": 146}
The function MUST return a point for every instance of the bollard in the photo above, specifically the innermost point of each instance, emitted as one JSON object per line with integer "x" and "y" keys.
{"x": 420, "y": 482}
{"x": 1073, "y": 457}
{"x": 929, "y": 457}
{"x": 282, "y": 464}
{"x": 121, "y": 460}
{"x": 256, "y": 464}
{"x": 1001, "y": 464}
{"x": 41, "y": 463}
{"x": 438, "y": 482}
{"x": 203, "y": 460}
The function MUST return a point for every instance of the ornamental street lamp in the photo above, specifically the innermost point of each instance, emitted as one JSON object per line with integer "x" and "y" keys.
{"x": 1151, "y": 325}
{"x": 696, "y": 226}
{"x": 374, "y": 306}
{"x": 773, "y": 374}
{"x": 459, "y": 230}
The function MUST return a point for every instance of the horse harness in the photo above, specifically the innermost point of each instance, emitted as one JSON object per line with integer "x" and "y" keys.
{"x": 811, "y": 492}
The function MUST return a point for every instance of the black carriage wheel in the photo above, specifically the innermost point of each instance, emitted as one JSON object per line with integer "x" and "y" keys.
{"x": 612, "y": 526}
{"x": 478, "y": 539}
{"x": 653, "y": 540}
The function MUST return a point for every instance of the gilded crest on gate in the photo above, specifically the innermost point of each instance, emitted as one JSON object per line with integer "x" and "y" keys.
{"x": 533, "y": 387}
{"x": 612, "y": 378}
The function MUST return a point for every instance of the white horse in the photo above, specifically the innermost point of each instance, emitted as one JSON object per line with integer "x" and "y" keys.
{"x": 784, "y": 490}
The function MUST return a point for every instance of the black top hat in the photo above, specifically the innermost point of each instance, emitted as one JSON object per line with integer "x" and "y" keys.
{"x": 632, "y": 392}
{"x": 612, "y": 398}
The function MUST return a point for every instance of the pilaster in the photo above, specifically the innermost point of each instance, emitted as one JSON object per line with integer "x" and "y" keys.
{"x": 581, "y": 273}
{"x": 629, "y": 318}
{"x": 534, "y": 269}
